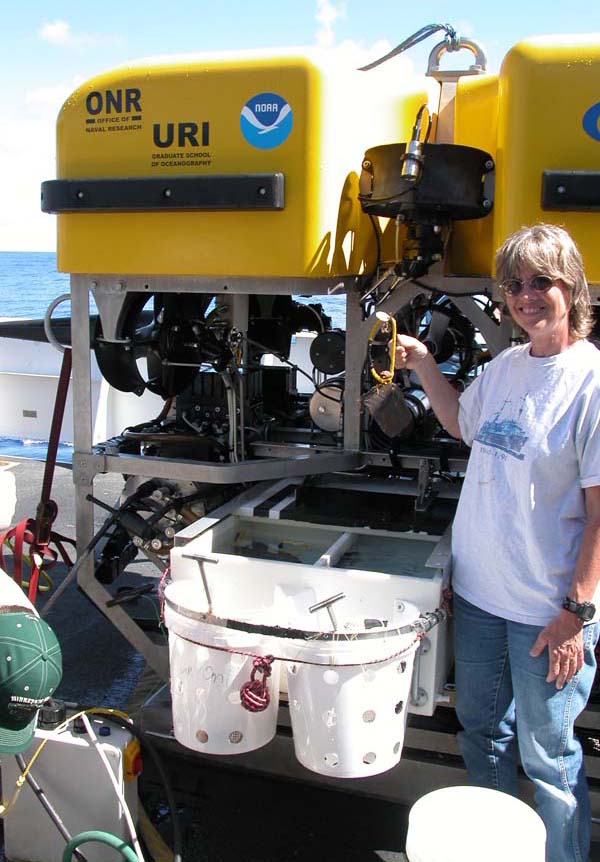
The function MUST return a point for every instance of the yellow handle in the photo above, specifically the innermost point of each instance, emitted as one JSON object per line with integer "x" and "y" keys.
{"x": 385, "y": 376}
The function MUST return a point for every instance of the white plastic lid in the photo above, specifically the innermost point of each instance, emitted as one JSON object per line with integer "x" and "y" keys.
{"x": 472, "y": 824}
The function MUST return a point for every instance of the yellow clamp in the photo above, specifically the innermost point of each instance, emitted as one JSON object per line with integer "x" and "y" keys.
{"x": 385, "y": 319}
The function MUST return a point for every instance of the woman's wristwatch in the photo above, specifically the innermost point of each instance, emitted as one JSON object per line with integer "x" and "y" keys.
{"x": 584, "y": 611}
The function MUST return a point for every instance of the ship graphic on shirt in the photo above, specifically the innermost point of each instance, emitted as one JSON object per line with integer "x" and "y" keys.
{"x": 504, "y": 433}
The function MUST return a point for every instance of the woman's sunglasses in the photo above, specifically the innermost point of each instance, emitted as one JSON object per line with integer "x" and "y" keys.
{"x": 539, "y": 283}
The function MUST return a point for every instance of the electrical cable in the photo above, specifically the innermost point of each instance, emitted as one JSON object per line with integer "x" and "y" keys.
{"x": 279, "y": 356}
{"x": 436, "y": 291}
{"x": 122, "y": 720}
{"x": 5, "y": 807}
{"x": 316, "y": 314}
{"x": 231, "y": 411}
{"x": 241, "y": 402}
{"x": 48, "y": 807}
{"x": 377, "y": 241}
{"x": 157, "y": 848}
{"x": 118, "y": 792}
{"x": 411, "y": 41}
{"x": 150, "y": 422}
{"x": 168, "y": 788}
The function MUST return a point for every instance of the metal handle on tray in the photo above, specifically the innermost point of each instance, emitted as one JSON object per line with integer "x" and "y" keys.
{"x": 326, "y": 603}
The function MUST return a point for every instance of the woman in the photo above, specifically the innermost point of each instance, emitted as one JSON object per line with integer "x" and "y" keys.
{"x": 526, "y": 537}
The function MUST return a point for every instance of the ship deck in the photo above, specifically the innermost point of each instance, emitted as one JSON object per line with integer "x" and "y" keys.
{"x": 226, "y": 814}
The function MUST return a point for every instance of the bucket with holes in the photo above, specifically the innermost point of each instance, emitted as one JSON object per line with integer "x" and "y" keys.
{"x": 349, "y": 699}
{"x": 212, "y": 670}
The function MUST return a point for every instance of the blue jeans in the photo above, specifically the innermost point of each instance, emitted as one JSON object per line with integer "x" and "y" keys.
{"x": 503, "y": 700}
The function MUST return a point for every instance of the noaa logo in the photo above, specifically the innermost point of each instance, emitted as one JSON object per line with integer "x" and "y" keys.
{"x": 266, "y": 120}
{"x": 590, "y": 121}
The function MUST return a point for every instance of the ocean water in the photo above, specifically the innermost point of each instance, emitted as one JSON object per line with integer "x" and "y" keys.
{"x": 29, "y": 281}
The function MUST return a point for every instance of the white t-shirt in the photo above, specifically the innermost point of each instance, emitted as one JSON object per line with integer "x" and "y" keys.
{"x": 534, "y": 427}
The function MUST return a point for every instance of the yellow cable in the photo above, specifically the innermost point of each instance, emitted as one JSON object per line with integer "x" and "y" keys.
{"x": 157, "y": 848}
{"x": 21, "y": 779}
{"x": 5, "y": 807}
{"x": 108, "y": 710}
{"x": 385, "y": 376}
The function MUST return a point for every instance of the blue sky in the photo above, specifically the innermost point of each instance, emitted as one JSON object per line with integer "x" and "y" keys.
{"x": 49, "y": 48}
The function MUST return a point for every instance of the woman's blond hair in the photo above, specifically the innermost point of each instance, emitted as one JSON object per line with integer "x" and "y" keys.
{"x": 549, "y": 250}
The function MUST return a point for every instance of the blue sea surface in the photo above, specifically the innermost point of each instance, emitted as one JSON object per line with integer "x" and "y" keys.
{"x": 29, "y": 281}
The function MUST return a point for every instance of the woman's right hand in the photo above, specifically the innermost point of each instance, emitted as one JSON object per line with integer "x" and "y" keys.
{"x": 410, "y": 352}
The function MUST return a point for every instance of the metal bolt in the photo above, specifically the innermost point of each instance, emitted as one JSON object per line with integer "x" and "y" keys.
{"x": 367, "y": 165}
{"x": 424, "y": 646}
{"x": 486, "y": 204}
{"x": 80, "y": 195}
{"x": 561, "y": 190}
{"x": 489, "y": 165}
{"x": 420, "y": 698}
{"x": 262, "y": 191}
{"x": 167, "y": 193}
{"x": 156, "y": 544}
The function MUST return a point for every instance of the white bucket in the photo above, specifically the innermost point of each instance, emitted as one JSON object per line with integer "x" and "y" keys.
{"x": 206, "y": 676}
{"x": 348, "y": 719}
{"x": 471, "y": 824}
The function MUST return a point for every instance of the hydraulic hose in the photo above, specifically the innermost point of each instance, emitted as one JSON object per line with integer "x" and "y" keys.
{"x": 168, "y": 788}
{"x": 103, "y": 838}
{"x": 134, "y": 728}
{"x": 118, "y": 792}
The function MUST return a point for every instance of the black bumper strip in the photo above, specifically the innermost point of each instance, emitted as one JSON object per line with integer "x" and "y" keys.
{"x": 571, "y": 190}
{"x": 214, "y": 192}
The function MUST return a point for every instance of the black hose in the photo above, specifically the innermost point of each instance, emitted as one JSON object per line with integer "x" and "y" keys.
{"x": 135, "y": 729}
{"x": 280, "y": 356}
{"x": 437, "y": 292}
{"x": 168, "y": 787}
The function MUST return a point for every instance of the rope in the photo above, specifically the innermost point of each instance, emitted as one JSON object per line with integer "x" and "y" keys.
{"x": 424, "y": 33}
{"x": 385, "y": 376}
{"x": 254, "y": 695}
{"x": 37, "y": 532}
{"x": 406, "y": 650}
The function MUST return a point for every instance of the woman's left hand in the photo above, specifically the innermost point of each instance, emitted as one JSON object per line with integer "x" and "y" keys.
{"x": 564, "y": 640}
